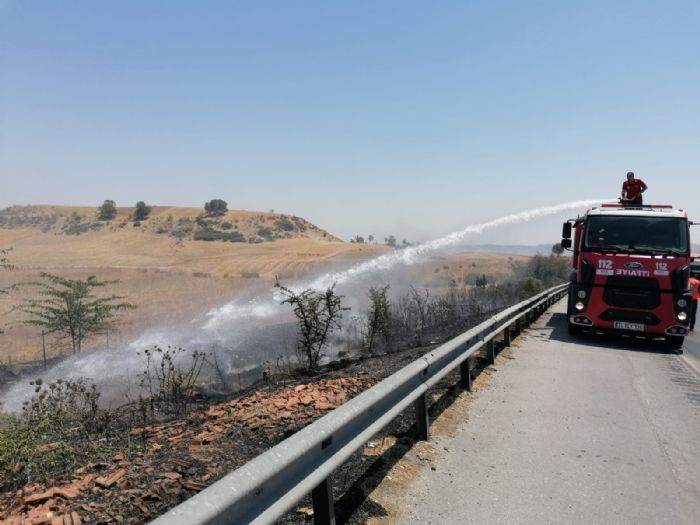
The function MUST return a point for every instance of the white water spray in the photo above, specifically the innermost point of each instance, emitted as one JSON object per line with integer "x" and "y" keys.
{"x": 414, "y": 254}
{"x": 407, "y": 256}
{"x": 232, "y": 326}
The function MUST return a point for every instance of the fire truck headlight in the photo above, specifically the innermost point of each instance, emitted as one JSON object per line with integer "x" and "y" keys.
{"x": 579, "y": 306}
{"x": 682, "y": 316}
{"x": 581, "y": 294}
{"x": 682, "y": 303}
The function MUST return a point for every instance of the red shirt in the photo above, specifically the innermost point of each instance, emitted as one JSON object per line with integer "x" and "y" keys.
{"x": 694, "y": 287}
{"x": 633, "y": 190}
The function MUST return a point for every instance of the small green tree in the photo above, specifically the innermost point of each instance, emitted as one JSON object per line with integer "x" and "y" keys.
{"x": 390, "y": 241}
{"x": 530, "y": 286}
{"x": 107, "y": 211}
{"x": 142, "y": 211}
{"x": 215, "y": 207}
{"x": 379, "y": 318}
{"x": 481, "y": 281}
{"x": 69, "y": 308}
{"x": 545, "y": 270}
{"x": 319, "y": 315}
{"x": 557, "y": 248}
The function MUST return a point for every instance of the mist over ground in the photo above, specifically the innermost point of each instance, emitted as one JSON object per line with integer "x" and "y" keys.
{"x": 254, "y": 327}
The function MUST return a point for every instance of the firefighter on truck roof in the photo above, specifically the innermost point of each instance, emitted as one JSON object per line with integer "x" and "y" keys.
{"x": 632, "y": 189}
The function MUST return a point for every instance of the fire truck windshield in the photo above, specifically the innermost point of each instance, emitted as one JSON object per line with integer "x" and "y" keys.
{"x": 645, "y": 235}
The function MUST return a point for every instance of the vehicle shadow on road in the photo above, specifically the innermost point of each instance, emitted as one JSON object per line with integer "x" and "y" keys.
{"x": 559, "y": 332}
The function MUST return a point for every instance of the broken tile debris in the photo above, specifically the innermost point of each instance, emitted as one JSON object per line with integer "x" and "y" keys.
{"x": 177, "y": 458}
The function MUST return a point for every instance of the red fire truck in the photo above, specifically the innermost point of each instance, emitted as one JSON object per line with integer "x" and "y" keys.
{"x": 630, "y": 271}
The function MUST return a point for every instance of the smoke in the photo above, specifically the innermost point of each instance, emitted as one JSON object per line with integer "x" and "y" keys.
{"x": 254, "y": 327}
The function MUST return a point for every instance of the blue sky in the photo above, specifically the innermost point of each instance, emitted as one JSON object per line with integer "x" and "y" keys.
{"x": 405, "y": 118}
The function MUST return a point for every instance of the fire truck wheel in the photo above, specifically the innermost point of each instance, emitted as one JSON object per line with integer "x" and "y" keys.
{"x": 675, "y": 342}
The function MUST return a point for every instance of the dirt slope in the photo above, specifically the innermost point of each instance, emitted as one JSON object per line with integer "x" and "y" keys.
{"x": 176, "y": 222}
{"x": 172, "y": 276}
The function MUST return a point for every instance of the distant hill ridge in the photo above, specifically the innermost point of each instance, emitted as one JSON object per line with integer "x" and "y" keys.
{"x": 178, "y": 222}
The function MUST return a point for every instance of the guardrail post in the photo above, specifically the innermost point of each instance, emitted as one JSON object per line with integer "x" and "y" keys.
{"x": 422, "y": 424}
{"x": 490, "y": 352}
{"x": 506, "y": 336}
{"x": 322, "y": 497}
{"x": 465, "y": 372}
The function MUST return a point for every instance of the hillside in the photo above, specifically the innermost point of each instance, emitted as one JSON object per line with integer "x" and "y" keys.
{"x": 173, "y": 277}
{"x": 159, "y": 263}
{"x": 178, "y": 223}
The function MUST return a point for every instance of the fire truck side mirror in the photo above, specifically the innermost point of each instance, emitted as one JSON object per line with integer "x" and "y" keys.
{"x": 566, "y": 231}
{"x": 566, "y": 243}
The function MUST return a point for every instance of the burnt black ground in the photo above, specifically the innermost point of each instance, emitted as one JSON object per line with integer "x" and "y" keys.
{"x": 360, "y": 475}
{"x": 352, "y": 483}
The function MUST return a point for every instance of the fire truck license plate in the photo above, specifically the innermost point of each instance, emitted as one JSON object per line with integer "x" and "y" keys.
{"x": 622, "y": 325}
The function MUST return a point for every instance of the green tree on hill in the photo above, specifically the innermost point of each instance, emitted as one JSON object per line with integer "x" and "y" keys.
{"x": 142, "y": 211}
{"x": 557, "y": 248}
{"x": 215, "y": 207}
{"x": 69, "y": 308}
{"x": 107, "y": 211}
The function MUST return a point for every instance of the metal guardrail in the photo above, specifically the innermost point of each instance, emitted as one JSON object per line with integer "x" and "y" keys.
{"x": 263, "y": 489}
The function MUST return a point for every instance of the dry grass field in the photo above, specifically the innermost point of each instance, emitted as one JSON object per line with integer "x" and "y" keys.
{"x": 173, "y": 277}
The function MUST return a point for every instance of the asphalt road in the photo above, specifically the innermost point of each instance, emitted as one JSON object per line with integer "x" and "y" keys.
{"x": 691, "y": 348}
{"x": 573, "y": 430}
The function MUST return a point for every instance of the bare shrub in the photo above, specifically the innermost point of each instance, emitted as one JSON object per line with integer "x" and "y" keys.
{"x": 319, "y": 315}
{"x": 379, "y": 318}
{"x": 170, "y": 388}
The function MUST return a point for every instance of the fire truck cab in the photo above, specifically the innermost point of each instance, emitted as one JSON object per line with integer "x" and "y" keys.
{"x": 630, "y": 273}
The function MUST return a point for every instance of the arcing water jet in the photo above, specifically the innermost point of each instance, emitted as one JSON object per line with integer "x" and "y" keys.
{"x": 249, "y": 327}
{"x": 259, "y": 307}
